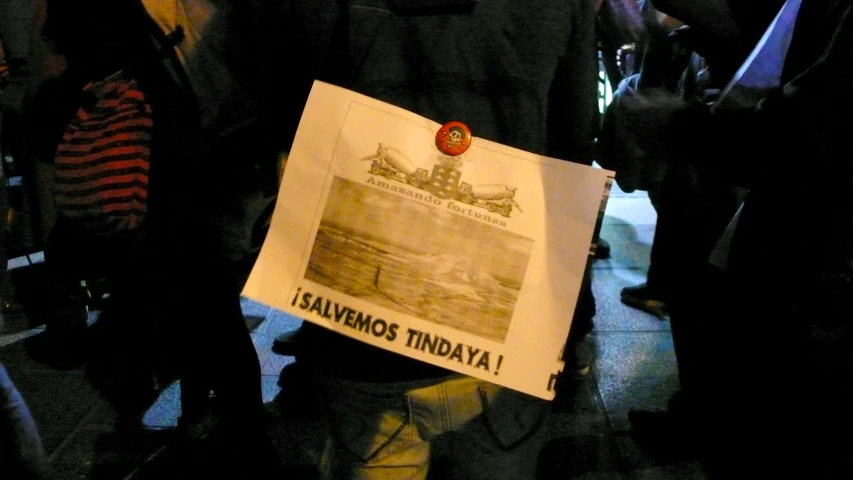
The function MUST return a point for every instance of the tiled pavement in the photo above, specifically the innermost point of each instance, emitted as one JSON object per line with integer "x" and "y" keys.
{"x": 88, "y": 437}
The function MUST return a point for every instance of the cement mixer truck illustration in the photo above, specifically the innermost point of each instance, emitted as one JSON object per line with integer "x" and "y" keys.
{"x": 445, "y": 181}
{"x": 394, "y": 165}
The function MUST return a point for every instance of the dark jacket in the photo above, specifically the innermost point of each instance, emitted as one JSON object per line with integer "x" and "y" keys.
{"x": 794, "y": 240}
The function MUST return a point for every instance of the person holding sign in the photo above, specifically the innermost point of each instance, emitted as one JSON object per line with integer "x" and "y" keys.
{"x": 518, "y": 73}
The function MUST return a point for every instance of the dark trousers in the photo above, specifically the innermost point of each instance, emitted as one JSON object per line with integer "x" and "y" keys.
{"x": 73, "y": 254}
{"x": 582, "y": 323}
{"x": 199, "y": 299}
{"x": 772, "y": 388}
{"x": 125, "y": 340}
{"x": 214, "y": 349}
{"x": 693, "y": 211}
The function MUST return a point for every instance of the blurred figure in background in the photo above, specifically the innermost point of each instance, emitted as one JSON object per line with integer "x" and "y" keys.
{"x": 22, "y": 456}
{"x": 17, "y": 21}
{"x": 773, "y": 313}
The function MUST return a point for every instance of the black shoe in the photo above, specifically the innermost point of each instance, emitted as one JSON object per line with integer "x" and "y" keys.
{"x": 602, "y": 250}
{"x": 287, "y": 344}
{"x": 646, "y": 299}
{"x": 578, "y": 358}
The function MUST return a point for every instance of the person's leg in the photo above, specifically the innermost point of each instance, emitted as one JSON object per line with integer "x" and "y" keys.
{"x": 176, "y": 305}
{"x": 653, "y": 296}
{"x": 700, "y": 308}
{"x": 384, "y": 431}
{"x": 577, "y": 355}
{"x": 707, "y": 207}
{"x": 660, "y": 196}
{"x": 124, "y": 344}
{"x": 216, "y": 350}
{"x": 214, "y": 354}
{"x": 374, "y": 431}
{"x": 700, "y": 299}
{"x": 63, "y": 309}
{"x": 696, "y": 317}
{"x": 693, "y": 210}
{"x": 505, "y": 441}
{"x": 199, "y": 290}
{"x": 65, "y": 306}
{"x": 743, "y": 401}
{"x": 233, "y": 363}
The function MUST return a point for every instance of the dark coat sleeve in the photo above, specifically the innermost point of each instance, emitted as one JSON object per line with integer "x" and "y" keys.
{"x": 802, "y": 120}
{"x": 573, "y": 107}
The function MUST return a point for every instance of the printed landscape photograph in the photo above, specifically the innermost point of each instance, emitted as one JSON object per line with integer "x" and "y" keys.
{"x": 420, "y": 259}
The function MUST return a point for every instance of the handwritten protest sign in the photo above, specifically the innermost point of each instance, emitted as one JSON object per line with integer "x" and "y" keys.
{"x": 469, "y": 262}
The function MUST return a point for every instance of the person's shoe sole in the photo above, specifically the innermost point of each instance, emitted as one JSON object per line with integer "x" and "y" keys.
{"x": 286, "y": 344}
{"x": 654, "y": 307}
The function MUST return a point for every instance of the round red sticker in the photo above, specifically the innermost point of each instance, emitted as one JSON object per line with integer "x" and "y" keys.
{"x": 453, "y": 138}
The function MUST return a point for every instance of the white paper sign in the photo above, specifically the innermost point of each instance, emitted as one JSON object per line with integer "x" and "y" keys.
{"x": 472, "y": 263}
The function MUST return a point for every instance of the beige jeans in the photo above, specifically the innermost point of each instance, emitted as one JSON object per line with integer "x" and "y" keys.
{"x": 385, "y": 431}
